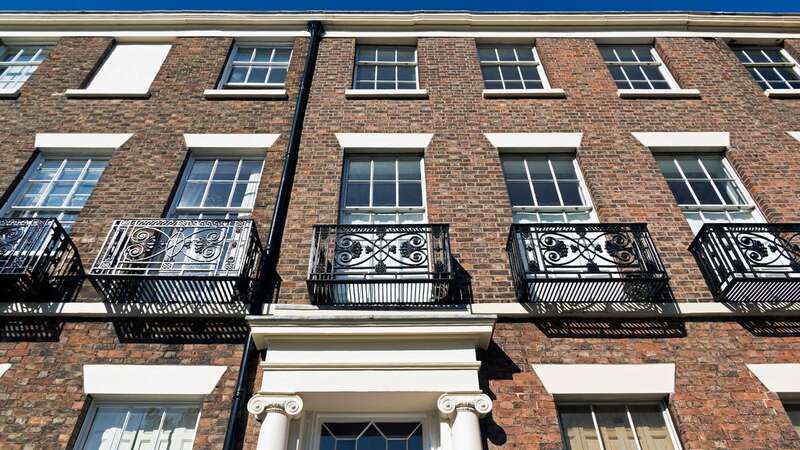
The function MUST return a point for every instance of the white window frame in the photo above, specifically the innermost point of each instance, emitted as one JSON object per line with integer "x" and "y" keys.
{"x": 657, "y": 62}
{"x": 230, "y": 64}
{"x": 584, "y": 190}
{"x": 96, "y": 404}
{"x": 750, "y": 206}
{"x": 673, "y": 434}
{"x": 430, "y": 427}
{"x": 537, "y": 63}
{"x": 357, "y": 63}
{"x": 176, "y": 210}
{"x": 41, "y": 48}
{"x": 18, "y": 192}
{"x": 790, "y": 63}
{"x": 372, "y": 210}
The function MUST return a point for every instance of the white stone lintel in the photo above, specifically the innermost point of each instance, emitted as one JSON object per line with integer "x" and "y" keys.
{"x": 372, "y": 141}
{"x": 69, "y": 142}
{"x": 782, "y": 379}
{"x": 150, "y": 381}
{"x": 592, "y": 380}
{"x": 230, "y": 141}
{"x": 535, "y": 141}
{"x": 669, "y": 141}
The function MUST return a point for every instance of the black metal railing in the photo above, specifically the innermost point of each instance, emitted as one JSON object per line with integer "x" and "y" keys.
{"x": 750, "y": 262}
{"x": 380, "y": 265}
{"x": 38, "y": 261}
{"x": 592, "y": 263}
{"x": 197, "y": 261}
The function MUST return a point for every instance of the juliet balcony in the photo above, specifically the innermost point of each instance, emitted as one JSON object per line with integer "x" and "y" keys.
{"x": 186, "y": 261}
{"x": 585, "y": 263}
{"x": 744, "y": 262}
{"x": 381, "y": 265}
{"x": 38, "y": 262}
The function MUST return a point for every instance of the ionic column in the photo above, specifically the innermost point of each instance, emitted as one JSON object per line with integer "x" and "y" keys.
{"x": 274, "y": 412}
{"x": 464, "y": 412}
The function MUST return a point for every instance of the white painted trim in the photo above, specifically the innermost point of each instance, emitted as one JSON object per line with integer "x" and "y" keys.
{"x": 588, "y": 380}
{"x": 9, "y": 93}
{"x": 230, "y": 141}
{"x": 684, "y": 140}
{"x": 535, "y": 140}
{"x": 658, "y": 93}
{"x": 795, "y": 134}
{"x": 100, "y": 309}
{"x": 3, "y": 368}
{"x": 80, "y": 141}
{"x": 524, "y": 93}
{"x": 391, "y": 94}
{"x": 384, "y": 140}
{"x": 91, "y": 93}
{"x": 278, "y": 94}
{"x": 150, "y": 381}
{"x": 782, "y": 379}
{"x": 782, "y": 93}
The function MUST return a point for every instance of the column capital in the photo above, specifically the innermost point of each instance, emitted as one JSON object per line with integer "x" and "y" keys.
{"x": 475, "y": 402}
{"x": 289, "y": 405}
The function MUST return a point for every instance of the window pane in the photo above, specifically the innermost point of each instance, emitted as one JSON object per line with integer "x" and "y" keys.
{"x": 357, "y": 194}
{"x": 201, "y": 170}
{"x": 730, "y": 193}
{"x": 578, "y": 428}
{"x": 691, "y": 168}
{"x": 614, "y": 427}
{"x": 384, "y": 170}
{"x": 487, "y": 54}
{"x": 794, "y": 415}
{"x": 705, "y": 193}
{"x": 514, "y": 169}
{"x": 564, "y": 169}
{"x": 277, "y": 76}
{"x": 681, "y": 192}
{"x": 383, "y": 194}
{"x": 570, "y": 193}
{"x": 520, "y": 193}
{"x": 371, "y": 439}
{"x": 408, "y": 170}
{"x": 546, "y": 194}
{"x": 491, "y": 72}
{"x": 651, "y": 430}
{"x": 668, "y": 168}
{"x": 539, "y": 169}
{"x": 358, "y": 170}
{"x": 226, "y": 170}
{"x": 250, "y": 171}
{"x": 410, "y": 194}
{"x": 218, "y": 194}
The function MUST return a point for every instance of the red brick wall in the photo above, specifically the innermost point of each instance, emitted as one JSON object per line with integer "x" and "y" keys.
{"x": 717, "y": 403}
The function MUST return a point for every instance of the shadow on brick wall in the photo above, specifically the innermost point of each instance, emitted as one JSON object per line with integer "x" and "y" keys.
{"x": 612, "y": 329}
{"x": 495, "y": 365}
{"x": 772, "y": 327}
{"x": 182, "y": 331}
{"x": 30, "y": 329}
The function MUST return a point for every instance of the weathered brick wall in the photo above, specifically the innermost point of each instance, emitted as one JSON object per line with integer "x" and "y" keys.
{"x": 41, "y": 395}
{"x": 717, "y": 403}
{"x": 465, "y": 186}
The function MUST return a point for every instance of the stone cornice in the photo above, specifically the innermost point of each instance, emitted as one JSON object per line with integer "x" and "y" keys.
{"x": 478, "y": 403}
{"x": 259, "y": 405}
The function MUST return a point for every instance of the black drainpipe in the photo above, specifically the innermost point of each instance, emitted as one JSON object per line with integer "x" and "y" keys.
{"x": 269, "y": 275}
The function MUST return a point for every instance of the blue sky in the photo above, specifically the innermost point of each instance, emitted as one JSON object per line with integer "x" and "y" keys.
{"x": 408, "y": 5}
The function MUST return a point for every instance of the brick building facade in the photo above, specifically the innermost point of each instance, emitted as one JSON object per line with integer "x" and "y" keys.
{"x": 568, "y": 332}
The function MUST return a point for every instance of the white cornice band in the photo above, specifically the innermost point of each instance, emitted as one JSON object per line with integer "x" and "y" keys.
{"x": 371, "y": 141}
{"x": 596, "y": 380}
{"x": 230, "y": 141}
{"x": 75, "y": 142}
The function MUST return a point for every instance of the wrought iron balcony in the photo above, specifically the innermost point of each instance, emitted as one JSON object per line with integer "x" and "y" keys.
{"x": 380, "y": 265}
{"x": 585, "y": 263}
{"x": 750, "y": 262}
{"x": 192, "y": 261}
{"x": 38, "y": 261}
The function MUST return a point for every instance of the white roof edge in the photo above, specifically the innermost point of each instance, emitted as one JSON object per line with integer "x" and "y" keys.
{"x": 195, "y": 19}
{"x": 606, "y": 379}
{"x": 3, "y": 368}
{"x": 535, "y": 140}
{"x": 384, "y": 140}
{"x": 238, "y": 140}
{"x": 81, "y": 140}
{"x": 795, "y": 134}
{"x": 684, "y": 140}
{"x": 150, "y": 380}
{"x": 778, "y": 378}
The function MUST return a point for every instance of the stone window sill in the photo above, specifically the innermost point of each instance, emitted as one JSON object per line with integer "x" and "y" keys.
{"x": 9, "y": 93}
{"x": 524, "y": 93}
{"x": 278, "y": 94}
{"x": 782, "y": 93}
{"x": 658, "y": 93}
{"x": 85, "y": 93}
{"x": 379, "y": 93}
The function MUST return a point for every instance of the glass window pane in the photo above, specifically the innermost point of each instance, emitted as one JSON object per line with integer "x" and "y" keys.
{"x": 384, "y": 170}
{"x": 409, "y": 170}
{"x": 405, "y": 54}
{"x": 226, "y": 170}
{"x": 277, "y": 75}
{"x": 357, "y": 194}
{"x": 506, "y": 54}
{"x": 244, "y": 54}
{"x": 520, "y": 193}
{"x": 608, "y": 53}
{"x": 201, "y": 170}
{"x": 529, "y": 73}
{"x": 625, "y": 54}
{"x": 386, "y": 73}
{"x": 525, "y": 54}
{"x": 406, "y": 74}
{"x": 546, "y": 194}
{"x": 106, "y": 426}
{"x": 358, "y": 170}
{"x": 371, "y": 439}
{"x": 366, "y": 53}
{"x": 643, "y": 53}
{"x": 651, "y": 430}
{"x": 491, "y": 72}
{"x": 514, "y": 169}
{"x": 282, "y": 55}
{"x": 258, "y": 75}
{"x": 487, "y": 53}
{"x": 615, "y": 428}
{"x": 730, "y": 193}
{"x": 705, "y": 193}
{"x": 250, "y": 171}
{"x": 383, "y": 194}
{"x": 218, "y": 194}
{"x": 564, "y": 169}
{"x": 510, "y": 73}
{"x": 410, "y": 194}
{"x": 578, "y": 427}
{"x": 387, "y": 54}
{"x": 668, "y": 168}
{"x": 263, "y": 55}
{"x": 681, "y": 192}
{"x": 539, "y": 169}
{"x": 794, "y": 415}
{"x": 238, "y": 75}
{"x": 691, "y": 168}
{"x": 570, "y": 193}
